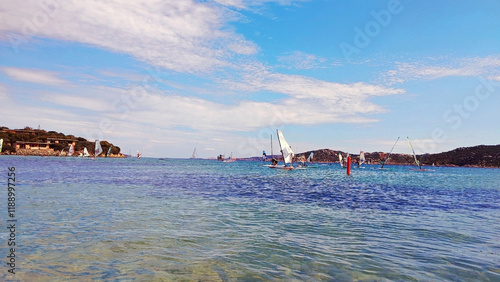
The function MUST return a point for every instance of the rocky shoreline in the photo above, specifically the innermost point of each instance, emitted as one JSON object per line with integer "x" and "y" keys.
{"x": 51, "y": 153}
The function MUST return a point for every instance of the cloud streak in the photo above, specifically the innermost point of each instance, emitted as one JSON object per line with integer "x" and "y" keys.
{"x": 33, "y": 76}
{"x": 478, "y": 66}
{"x": 302, "y": 61}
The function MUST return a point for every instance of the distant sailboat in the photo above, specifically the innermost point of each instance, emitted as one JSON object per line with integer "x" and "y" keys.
{"x": 274, "y": 162}
{"x": 85, "y": 152}
{"x": 340, "y": 160}
{"x": 71, "y": 150}
{"x": 310, "y": 158}
{"x": 109, "y": 151}
{"x": 286, "y": 152}
{"x": 138, "y": 155}
{"x": 1, "y": 144}
{"x": 194, "y": 154}
{"x": 386, "y": 158}
{"x": 230, "y": 159}
{"x": 98, "y": 148}
{"x": 414, "y": 156}
{"x": 361, "y": 158}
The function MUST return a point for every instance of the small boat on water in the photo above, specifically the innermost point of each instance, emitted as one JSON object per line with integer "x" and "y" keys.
{"x": 109, "y": 151}
{"x": 415, "y": 158}
{"x": 273, "y": 160}
{"x": 193, "y": 156}
{"x": 71, "y": 150}
{"x": 98, "y": 148}
{"x": 361, "y": 159}
{"x": 230, "y": 159}
{"x": 286, "y": 152}
{"x": 309, "y": 161}
{"x": 85, "y": 153}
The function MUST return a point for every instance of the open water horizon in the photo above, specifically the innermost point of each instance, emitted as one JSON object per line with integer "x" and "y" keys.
{"x": 181, "y": 219}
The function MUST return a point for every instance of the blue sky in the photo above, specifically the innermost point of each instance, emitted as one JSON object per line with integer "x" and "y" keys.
{"x": 164, "y": 77}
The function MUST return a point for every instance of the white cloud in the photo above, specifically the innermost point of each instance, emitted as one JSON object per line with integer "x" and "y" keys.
{"x": 317, "y": 101}
{"x": 34, "y": 76}
{"x": 77, "y": 102}
{"x": 300, "y": 60}
{"x": 244, "y": 4}
{"x": 497, "y": 78}
{"x": 185, "y": 36}
{"x": 232, "y": 3}
{"x": 434, "y": 69}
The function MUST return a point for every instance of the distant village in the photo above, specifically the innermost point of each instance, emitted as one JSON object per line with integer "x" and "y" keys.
{"x": 38, "y": 142}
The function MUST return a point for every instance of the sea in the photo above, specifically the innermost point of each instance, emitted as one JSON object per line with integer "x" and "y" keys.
{"x": 202, "y": 220}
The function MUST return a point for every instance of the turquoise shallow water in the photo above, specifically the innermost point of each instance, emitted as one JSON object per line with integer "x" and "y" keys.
{"x": 148, "y": 219}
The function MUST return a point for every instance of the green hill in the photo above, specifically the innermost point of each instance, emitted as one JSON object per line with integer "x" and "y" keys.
{"x": 30, "y": 141}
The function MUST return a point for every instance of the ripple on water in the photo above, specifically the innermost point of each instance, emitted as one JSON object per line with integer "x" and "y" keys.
{"x": 203, "y": 220}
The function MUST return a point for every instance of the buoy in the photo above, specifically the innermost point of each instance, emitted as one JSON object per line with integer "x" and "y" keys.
{"x": 349, "y": 165}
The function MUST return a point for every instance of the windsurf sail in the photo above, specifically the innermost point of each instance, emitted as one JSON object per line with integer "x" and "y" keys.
{"x": 286, "y": 150}
{"x": 414, "y": 156}
{"x": 386, "y": 158}
{"x": 193, "y": 156}
{"x": 340, "y": 160}
{"x": 1, "y": 144}
{"x": 109, "y": 151}
{"x": 361, "y": 158}
{"x": 85, "y": 152}
{"x": 264, "y": 155}
{"x": 71, "y": 150}
{"x": 98, "y": 148}
{"x": 310, "y": 158}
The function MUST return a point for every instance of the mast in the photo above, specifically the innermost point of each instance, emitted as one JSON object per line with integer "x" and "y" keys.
{"x": 272, "y": 146}
{"x": 414, "y": 156}
{"x": 383, "y": 162}
{"x": 279, "y": 143}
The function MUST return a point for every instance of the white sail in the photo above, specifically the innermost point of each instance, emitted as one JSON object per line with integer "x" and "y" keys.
{"x": 1, "y": 144}
{"x": 361, "y": 158}
{"x": 286, "y": 150}
{"x": 309, "y": 159}
{"x": 109, "y": 151}
{"x": 98, "y": 148}
{"x": 71, "y": 150}
{"x": 414, "y": 156}
{"x": 85, "y": 152}
{"x": 340, "y": 160}
{"x": 194, "y": 154}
